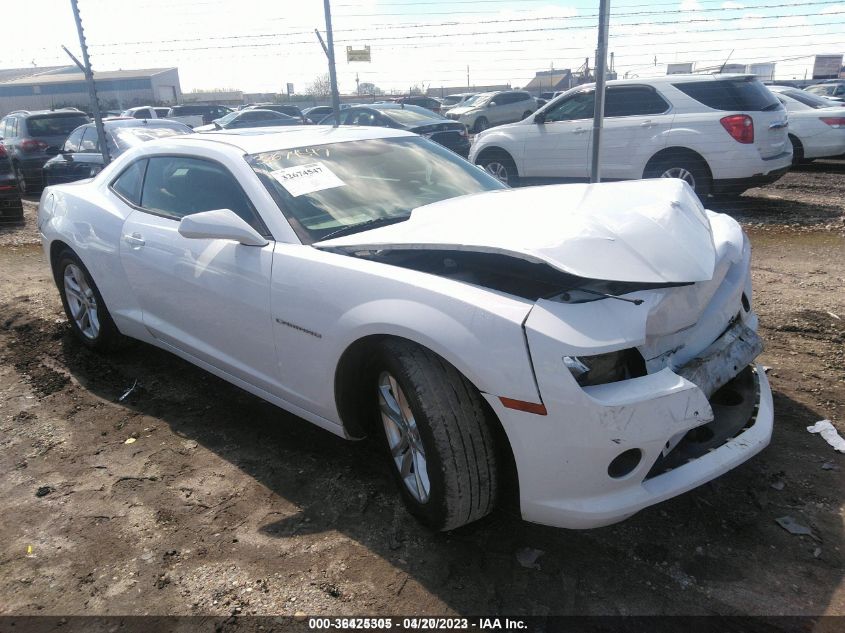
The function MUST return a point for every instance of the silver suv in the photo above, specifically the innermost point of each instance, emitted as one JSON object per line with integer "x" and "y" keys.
{"x": 493, "y": 108}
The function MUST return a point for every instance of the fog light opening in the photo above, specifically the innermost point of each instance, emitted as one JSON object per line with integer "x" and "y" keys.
{"x": 625, "y": 463}
{"x": 726, "y": 397}
{"x": 746, "y": 304}
{"x": 700, "y": 434}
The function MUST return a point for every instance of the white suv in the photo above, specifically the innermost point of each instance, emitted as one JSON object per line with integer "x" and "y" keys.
{"x": 493, "y": 108}
{"x": 722, "y": 134}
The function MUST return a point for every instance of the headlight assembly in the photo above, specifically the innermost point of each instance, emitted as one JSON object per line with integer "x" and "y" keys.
{"x": 605, "y": 368}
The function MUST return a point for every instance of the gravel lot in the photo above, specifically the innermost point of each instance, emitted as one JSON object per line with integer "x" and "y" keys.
{"x": 224, "y": 504}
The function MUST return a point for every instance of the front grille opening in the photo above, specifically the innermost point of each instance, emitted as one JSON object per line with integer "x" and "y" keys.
{"x": 735, "y": 409}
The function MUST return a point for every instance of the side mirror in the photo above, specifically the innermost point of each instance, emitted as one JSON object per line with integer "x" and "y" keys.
{"x": 491, "y": 104}
{"x": 217, "y": 126}
{"x": 53, "y": 151}
{"x": 540, "y": 117}
{"x": 221, "y": 224}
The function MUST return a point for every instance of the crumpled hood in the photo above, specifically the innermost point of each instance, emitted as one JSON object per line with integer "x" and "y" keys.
{"x": 649, "y": 231}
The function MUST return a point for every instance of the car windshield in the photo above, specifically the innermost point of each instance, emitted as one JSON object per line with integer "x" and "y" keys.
{"x": 822, "y": 89}
{"x": 53, "y": 125}
{"x": 131, "y": 136}
{"x": 325, "y": 188}
{"x": 224, "y": 120}
{"x": 477, "y": 100}
{"x": 807, "y": 98}
{"x": 411, "y": 117}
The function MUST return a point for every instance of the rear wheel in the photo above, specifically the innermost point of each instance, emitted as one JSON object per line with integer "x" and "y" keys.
{"x": 436, "y": 435}
{"x": 685, "y": 167}
{"x": 500, "y": 166}
{"x": 481, "y": 124}
{"x": 22, "y": 184}
{"x": 84, "y": 306}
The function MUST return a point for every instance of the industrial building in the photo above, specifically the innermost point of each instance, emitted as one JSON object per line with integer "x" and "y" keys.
{"x": 64, "y": 86}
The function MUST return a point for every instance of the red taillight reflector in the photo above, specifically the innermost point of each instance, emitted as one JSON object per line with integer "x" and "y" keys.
{"x": 32, "y": 145}
{"x": 835, "y": 121}
{"x": 7, "y": 187}
{"x": 740, "y": 127}
{"x": 521, "y": 405}
{"x": 2, "y": 151}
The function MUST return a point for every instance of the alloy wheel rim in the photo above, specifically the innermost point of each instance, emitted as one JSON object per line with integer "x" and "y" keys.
{"x": 498, "y": 171}
{"x": 82, "y": 302}
{"x": 680, "y": 172}
{"x": 403, "y": 437}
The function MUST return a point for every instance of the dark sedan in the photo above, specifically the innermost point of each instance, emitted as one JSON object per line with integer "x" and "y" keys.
{"x": 450, "y": 134}
{"x": 11, "y": 207}
{"x": 81, "y": 158}
{"x": 248, "y": 118}
{"x": 282, "y": 108}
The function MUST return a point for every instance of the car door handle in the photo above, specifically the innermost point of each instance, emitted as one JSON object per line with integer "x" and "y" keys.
{"x": 579, "y": 130}
{"x": 135, "y": 240}
{"x": 647, "y": 124}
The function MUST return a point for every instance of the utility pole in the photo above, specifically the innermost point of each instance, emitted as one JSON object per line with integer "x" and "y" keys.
{"x": 357, "y": 85}
{"x": 601, "y": 68}
{"x": 329, "y": 48}
{"x": 85, "y": 67}
{"x": 468, "y": 77}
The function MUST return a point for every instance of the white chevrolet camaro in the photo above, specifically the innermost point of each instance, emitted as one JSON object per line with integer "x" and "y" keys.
{"x": 596, "y": 342}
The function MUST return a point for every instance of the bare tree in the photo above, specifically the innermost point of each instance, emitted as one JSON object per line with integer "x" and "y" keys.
{"x": 368, "y": 88}
{"x": 320, "y": 87}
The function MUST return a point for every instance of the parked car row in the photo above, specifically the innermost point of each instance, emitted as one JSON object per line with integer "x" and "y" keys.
{"x": 720, "y": 133}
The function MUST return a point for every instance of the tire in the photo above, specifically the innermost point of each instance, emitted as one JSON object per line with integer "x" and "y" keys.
{"x": 501, "y": 166}
{"x": 481, "y": 124}
{"x": 446, "y": 448}
{"x": 22, "y": 184}
{"x": 797, "y": 151}
{"x": 86, "y": 311}
{"x": 686, "y": 167}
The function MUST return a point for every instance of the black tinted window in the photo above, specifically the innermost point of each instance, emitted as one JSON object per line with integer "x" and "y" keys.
{"x": 72, "y": 142}
{"x": 128, "y": 184}
{"x": 177, "y": 186}
{"x": 578, "y": 106}
{"x": 633, "y": 101}
{"x": 734, "y": 94}
{"x": 53, "y": 125}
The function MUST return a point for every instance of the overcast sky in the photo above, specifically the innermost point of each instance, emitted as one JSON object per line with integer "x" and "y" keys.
{"x": 260, "y": 45}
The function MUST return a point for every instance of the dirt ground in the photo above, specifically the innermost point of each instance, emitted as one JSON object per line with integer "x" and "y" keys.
{"x": 224, "y": 504}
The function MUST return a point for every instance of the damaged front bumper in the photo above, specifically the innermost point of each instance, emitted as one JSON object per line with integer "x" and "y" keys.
{"x": 674, "y": 439}
{"x": 604, "y": 452}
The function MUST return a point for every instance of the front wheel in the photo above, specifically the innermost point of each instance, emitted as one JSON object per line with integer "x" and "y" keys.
{"x": 687, "y": 168}
{"x": 84, "y": 306}
{"x": 481, "y": 124}
{"x": 436, "y": 435}
{"x": 500, "y": 166}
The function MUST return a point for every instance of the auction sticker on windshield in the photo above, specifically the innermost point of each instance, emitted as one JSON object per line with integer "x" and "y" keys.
{"x": 304, "y": 179}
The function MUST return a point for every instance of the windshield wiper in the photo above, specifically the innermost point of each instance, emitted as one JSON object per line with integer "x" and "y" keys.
{"x": 363, "y": 226}
{"x": 565, "y": 296}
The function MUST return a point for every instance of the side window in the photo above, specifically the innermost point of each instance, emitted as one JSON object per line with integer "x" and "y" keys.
{"x": 633, "y": 101}
{"x": 143, "y": 114}
{"x": 522, "y": 96}
{"x": 90, "y": 142}
{"x": 72, "y": 142}
{"x": 176, "y": 186}
{"x": 128, "y": 184}
{"x": 503, "y": 99}
{"x": 579, "y": 106}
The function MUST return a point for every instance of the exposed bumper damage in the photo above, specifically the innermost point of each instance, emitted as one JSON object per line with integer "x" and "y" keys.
{"x": 700, "y": 408}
